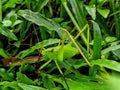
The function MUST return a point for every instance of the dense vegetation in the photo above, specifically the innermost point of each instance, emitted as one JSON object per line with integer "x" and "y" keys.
{"x": 59, "y": 44}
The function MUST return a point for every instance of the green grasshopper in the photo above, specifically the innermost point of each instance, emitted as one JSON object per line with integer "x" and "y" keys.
{"x": 61, "y": 52}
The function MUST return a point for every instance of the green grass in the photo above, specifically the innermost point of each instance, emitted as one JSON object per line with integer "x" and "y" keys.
{"x": 76, "y": 43}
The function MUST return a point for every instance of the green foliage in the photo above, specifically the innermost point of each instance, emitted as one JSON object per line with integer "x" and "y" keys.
{"x": 9, "y": 85}
{"x": 22, "y": 78}
{"x": 104, "y": 12}
{"x": 6, "y": 32}
{"x": 97, "y": 41}
{"x": 114, "y": 81}
{"x": 3, "y": 53}
{"x": 5, "y": 75}
{"x": 77, "y": 42}
{"x": 108, "y": 64}
{"x": 29, "y": 87}
{"x": 40, "y": 20}
{"x": 42, "y": 44}
{"x": 91, "y": 11}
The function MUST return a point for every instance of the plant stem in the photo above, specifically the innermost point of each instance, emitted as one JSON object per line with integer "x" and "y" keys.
{"x": 62, "y": 74}
{"x": 88, "y": 39}
{"x": 45, "y": 64}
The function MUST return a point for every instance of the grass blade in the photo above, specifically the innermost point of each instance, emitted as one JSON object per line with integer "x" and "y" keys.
{"x": 30, "y": 87}
{"x": 97, "y": 41}
{"x": 9, "y": 4}
{"x": 40, "y": 20}
{"x": 111, "y": 48}
{"x": 107, "y": 63}
{"x": 6, "y": 32}
{"x": 3, "y": 53}
{"x": 39, "y": 45}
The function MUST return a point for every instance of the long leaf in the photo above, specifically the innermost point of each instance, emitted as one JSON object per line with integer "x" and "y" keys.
{"x": 107, "y": 63}
{"x": 3, "y": 53}
{"x": 6, "y": 32}
{"x": 6, "y": 85}
{"x": 29, "y": 87}
{"x": 111, "y": 48}
{"x": 116, "y": 53}
{"x": 40, "y": 20}
{"x": 9, "y": 4}
{"x": 42, "y": 3}
{"x": 42, "y": 44}
{"x": 97, "y": 41}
